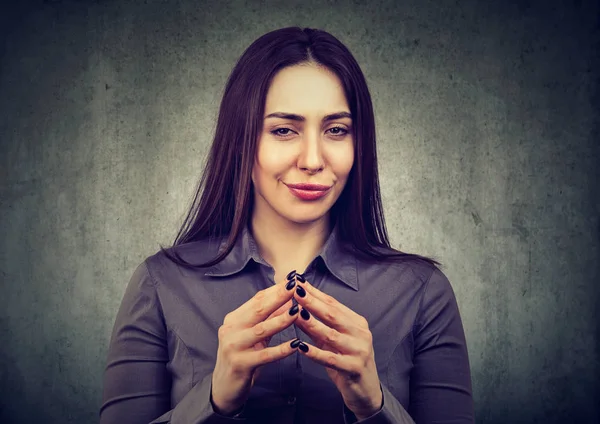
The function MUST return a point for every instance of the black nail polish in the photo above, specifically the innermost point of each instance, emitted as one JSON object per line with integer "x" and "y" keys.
{"x": 294, "y": 344}
{"x": 300, "y": 278}
{"x": 305, "y": 314}
{"x": 300, "y": 291}
{"x": 290, "y": 284}
{"x": 303, "y": 347}
{"x": 294, "y": 310}
{"x": 291, "y": 274}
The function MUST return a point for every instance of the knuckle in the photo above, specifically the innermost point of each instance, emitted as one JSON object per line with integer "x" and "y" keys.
{"x": 259, "y": 329}
{"x": 331, "y": 316}
{"x": 331, "y": 336}
{"x": 223, "y": 331}
{"x": 229, "y": 346}
{"x": 260, "y": 308}
{"x": 285, "y": 318}
{"x": 368, "y": 336}
{"x": 329, "y": 300}
{"x": 364, "y": 322}
{"x": 260, "y": 295}
{"x": 364, "y": 352}
{"x": 331, "y": 360}
{"x": 264, "y": 355}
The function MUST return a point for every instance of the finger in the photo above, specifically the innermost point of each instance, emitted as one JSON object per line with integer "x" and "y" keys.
{"x": 283, "y": 308}
{"x": 329, "y": 312}
{"x": 325, "y": 298}
{"x": 263, "y": 304}
{"x": 265, "y": 329}
{"x": 346, "y": 364}
{"x": 323, "y": 335}
{"x": 260, "y": 357}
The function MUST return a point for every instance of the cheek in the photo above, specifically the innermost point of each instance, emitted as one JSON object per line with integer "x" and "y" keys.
{"x": 273, "y": 161}
{"x": 342, "y": 160}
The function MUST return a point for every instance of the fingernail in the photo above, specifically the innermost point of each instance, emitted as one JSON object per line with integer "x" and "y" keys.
{"x": 294, "y": 310}
{"x": 290, "y": 284}
{"x": 291, "y": 274}
{"x": 300, "y": 291}
{"x": 300, "y": 278}
{"x": 303, "y": 347}
{"x": 294, "y": 344}
{"x": 305, "y": 314}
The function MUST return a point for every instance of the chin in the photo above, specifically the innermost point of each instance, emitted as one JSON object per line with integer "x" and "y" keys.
{"x": 304, "y": 218}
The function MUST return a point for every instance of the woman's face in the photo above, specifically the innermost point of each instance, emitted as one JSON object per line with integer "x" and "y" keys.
{"x": 307, "y": 148}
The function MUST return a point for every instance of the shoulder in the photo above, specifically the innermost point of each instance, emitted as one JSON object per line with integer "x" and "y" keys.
{"x": 162, "y": 268}
{"x": 409, "y": 268}
{"x": 430, "y": 279}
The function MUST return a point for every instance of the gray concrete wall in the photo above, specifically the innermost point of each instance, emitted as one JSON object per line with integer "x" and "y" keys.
{"x": 488, "y": 146}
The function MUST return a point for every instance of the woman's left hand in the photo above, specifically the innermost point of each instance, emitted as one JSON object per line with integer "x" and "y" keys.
{"x": 344, "y": 345}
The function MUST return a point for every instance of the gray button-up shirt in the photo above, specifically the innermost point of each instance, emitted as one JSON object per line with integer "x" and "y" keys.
{"x": 164, "y": 342}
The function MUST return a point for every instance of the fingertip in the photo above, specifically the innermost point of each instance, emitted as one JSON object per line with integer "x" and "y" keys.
{"x": 303, "y": 347}
{"x": 294, "y": 344}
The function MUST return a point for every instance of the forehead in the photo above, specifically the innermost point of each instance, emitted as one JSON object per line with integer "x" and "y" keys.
{"x": 305, "y": 89}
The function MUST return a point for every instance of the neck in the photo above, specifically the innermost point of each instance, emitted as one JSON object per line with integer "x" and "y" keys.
{"x": 287, "y": 245}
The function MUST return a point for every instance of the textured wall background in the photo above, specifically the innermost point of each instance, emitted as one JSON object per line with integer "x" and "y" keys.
{"x": 488, "y": 146}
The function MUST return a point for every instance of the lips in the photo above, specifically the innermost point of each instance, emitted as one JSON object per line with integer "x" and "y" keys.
{"x": 309, "y": 187}
{"x": 309, "y": 191}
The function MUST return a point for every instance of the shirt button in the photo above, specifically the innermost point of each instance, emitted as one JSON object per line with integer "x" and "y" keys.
{"x": 291, "y": 400}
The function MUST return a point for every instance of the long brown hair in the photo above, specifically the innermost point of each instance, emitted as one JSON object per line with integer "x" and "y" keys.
{"x": 225, "y": 190}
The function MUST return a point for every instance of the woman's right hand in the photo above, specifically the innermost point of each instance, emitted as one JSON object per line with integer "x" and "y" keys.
{"x": 243, "y": 340}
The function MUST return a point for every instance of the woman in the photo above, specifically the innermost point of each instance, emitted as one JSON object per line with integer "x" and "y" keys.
{"x": 281, "y": 302}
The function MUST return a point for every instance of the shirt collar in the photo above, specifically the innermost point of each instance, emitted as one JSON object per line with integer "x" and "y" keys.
{"x": 335, "y": 254}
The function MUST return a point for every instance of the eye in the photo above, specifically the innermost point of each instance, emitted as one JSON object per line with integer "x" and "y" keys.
{"x": 275, "y": 132}
{"x": 337, "y": 132}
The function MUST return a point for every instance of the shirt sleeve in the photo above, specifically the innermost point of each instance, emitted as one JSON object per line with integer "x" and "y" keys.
{"x": 391, "y": 412}
{"x": 440, "y": 381}
{"x": 137, "y": 384}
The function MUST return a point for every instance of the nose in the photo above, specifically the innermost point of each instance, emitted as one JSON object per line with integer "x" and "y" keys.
{"x": 311, "y": 155}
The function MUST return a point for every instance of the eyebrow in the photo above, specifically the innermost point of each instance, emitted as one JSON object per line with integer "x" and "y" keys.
{"x": 294, "y": 117}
